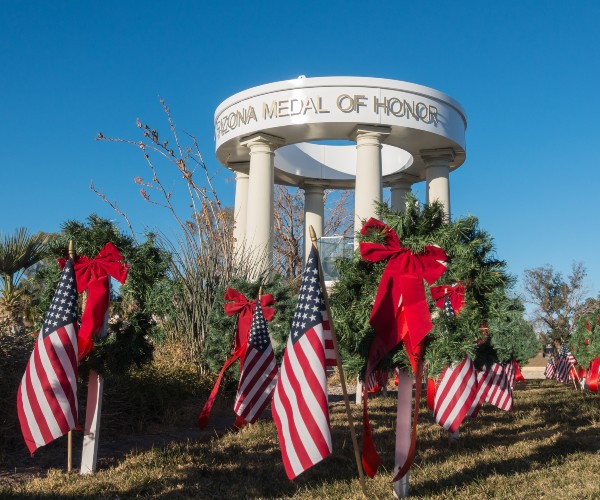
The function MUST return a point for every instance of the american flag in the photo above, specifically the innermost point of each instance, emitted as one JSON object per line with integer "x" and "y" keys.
{"x": 377, "y": 380}
{"x": 499, "y": 382}
{"x": 455, "y": 395}
{"x": 550, "y": 368}
{"x": 566, "y": 361}
{"x": 300, "y": 408}
{"x": 259, "y": 373}
{"x": 47, "y": 395}
{"x": 448, "y": 307}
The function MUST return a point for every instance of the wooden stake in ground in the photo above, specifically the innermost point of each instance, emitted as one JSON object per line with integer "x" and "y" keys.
{"x": 361, "y": 474}
{"x": 91, "y": 433}
{"x": 403, "y": 430}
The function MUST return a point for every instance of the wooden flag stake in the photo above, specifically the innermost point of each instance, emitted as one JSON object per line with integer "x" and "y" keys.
{"x": 70, "y": 434}
{"x": 361, "y": 475}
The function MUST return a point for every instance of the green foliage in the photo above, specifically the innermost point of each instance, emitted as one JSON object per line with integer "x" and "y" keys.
{"x": 135, "y": 305}
{"x": 221, "y": 329}
{"x": 584, "y": 343}
{"x": 511, "y": 335}
{"x": 18, "y": 252}
{"x": 471, "y": 260}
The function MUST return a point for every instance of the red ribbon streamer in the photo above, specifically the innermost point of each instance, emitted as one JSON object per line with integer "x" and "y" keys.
{"x": 239, "y": 305}
{"x": 518, "y": 375}
{"x": 431, "y": 388}
{"x": 93, "y": 275}
{"x": 593, "y": 374}
{"x": 400, "y": 314}
{"x": 455, "y": 293}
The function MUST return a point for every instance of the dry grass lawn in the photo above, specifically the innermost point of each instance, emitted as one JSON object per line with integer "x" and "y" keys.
{"x": 547, "y": 447}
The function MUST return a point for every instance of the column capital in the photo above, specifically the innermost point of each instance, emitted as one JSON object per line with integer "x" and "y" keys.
{"x": 262, "y": 142}
{"x": 372, "y": 132}
{"x": 239, "y": 167}
{"x": 401, "y": 180}
{"x": 438, "y": 156}
{"x": 313, "y": 189}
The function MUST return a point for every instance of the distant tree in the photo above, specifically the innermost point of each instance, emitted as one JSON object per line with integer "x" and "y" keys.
{"x": 557, "y": 299}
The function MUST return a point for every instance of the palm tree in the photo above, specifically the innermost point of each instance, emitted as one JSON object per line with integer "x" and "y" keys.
{"x": 18, "y": 252}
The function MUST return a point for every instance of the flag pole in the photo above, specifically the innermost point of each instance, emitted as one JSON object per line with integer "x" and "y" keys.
{"x": 361, "y": 475}
{"x": 70, "y": 434}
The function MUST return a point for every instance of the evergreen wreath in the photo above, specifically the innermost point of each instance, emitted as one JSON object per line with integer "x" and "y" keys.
{"x": 221, "y": 332}
{"x": 489, "y": 328}
{"x": 585, "y": 342}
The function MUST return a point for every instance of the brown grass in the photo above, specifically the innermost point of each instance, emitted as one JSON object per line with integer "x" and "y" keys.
{"x": 547, "y": 447}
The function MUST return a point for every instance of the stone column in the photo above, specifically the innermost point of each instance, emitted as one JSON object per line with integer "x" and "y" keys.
{"x": 314, "y": 210}
{"x": 437, "y": 175}
{"x": 259, "y": 216}
{"x": 399, "y": 189}
{"x": 240, "y": 209}
{"x": 367, "y": 189}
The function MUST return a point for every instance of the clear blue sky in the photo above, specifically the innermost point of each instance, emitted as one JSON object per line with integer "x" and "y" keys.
{"x": 527, "y": 74}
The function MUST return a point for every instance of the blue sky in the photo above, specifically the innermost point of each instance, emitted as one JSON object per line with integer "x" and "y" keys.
{"x": 527, "y": 74}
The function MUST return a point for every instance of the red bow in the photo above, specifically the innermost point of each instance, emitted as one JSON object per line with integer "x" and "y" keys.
{"x": 93, "y": 275}
{"x": 587, "y": 325}
{"x": 400, "y": 313}
{"x": 592, "y": 375}
{"x": 455, "y": 293}
{"x": 239, "y": 305}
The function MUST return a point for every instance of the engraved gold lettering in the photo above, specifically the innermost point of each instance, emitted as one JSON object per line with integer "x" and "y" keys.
{"x": 359, "y": 101}
{"x": 422, "y": 111}
{"x": 320, "y": 108}
{"x": 283, "y": 108}
{"x": 309, "y": 105}
{"x": 410, "y": 110}
{"x": 433, "y": 114}
{"x": 345, "y": 103}
{"x": 378, "y": 105}
{"x": 269, "y": 113}
{"x": 299, "y": 104}
{"x": 395, "y": 107}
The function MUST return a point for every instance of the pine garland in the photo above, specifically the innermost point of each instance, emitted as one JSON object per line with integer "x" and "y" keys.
{"x": 471, "y": 260}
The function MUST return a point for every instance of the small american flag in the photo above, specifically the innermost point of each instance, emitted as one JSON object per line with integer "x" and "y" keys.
{"x": 47, "y": 395}
{"x": 550, "y": 368}
{"x": 499, "y": 391}
{"x": 448, "y": 307}
{"x": 566, "y": 361}
{"x": 259, "y": 374}
{"x": 300, "y": 408}
{"x": 377, "y": 380}
{"x": 455, "y": 395}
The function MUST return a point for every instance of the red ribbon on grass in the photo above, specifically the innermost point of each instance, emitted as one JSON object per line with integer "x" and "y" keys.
{"x": 238, "y": 304}
{"x": 400, "y": 314}
{"x": 94, "y": 275}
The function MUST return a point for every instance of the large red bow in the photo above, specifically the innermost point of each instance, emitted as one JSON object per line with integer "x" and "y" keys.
{"x": 238, "y": 304}
{"x": 93, "y": 275}
{"x": 400, "y": 313}
{"x": 455, "y": 293}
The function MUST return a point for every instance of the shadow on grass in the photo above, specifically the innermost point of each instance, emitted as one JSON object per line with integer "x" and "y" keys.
{"x": 249, "y": 464}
